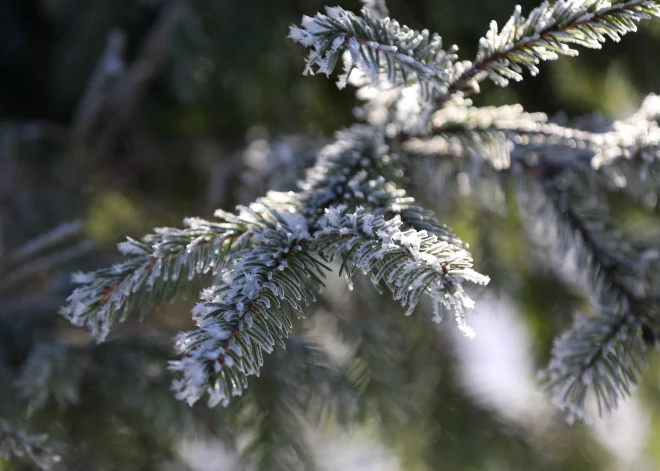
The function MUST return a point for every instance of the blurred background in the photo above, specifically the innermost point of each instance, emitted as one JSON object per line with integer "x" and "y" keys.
{"x": 117, "y": 116}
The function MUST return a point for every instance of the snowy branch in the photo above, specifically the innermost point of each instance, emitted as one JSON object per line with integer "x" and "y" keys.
{"x": 410, "y": 262}
{"x": 497, "y": 134}
{"x": 153, "y": 271}
{"x": 603, "y": 352}
{"x": 546, "y": 34}
{"x": 277, "y": 273}
{"x": 375, "y": 45}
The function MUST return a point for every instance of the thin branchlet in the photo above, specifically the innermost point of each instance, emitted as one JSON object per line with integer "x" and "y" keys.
{"x": 547, "y": 33}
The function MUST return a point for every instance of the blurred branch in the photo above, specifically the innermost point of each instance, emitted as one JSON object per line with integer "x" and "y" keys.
{"x": 153, "y": 55}
{"x": 44, "y": 263}
{"x": 108, "y": 72}
{"x": 16, "y": 442}
{"x": 9, "y": 191}
{"x": 45, "y": 241}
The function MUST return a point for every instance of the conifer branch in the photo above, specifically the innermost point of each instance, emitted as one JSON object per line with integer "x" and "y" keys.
{"x": 547, "y": 33}
{"x": 250, "y": 310}
{"x": 16, "y": 442}
{"x": 262, "y": 259}
{"x": 498, "y": 133}
{"x": 410, "y": 262}
{"x": 603, "y": 352}
{"x": 376, "y": 46}
{"x": 492, "y": 133}
{"x": 153, "y": 271}
{"x": 268, "y": 260}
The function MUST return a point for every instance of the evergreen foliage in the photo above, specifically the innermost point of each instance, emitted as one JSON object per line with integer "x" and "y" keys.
{"x": 548, "y": 32}
{"x": 604, "y": 352}
{"x": 264, "y": 268}
{"x": 262, "y": 256}
{"x": 375, "y": 46}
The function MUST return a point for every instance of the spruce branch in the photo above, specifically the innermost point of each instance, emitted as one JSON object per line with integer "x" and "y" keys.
{"x": 375, "y": 46}
{"x": 277, "y": 273}
{"x": 547, "y": 33}
{"x": 249, "y": 312}
{"x": 153, "y": 271}
{"x": 15, "y": 442}
{"x": 604, "y": 352}
{"x": 268, "y": 260}
{"x": 265, "y": 263}
{"x": 491, "y": 133}
{"x": 410, "y": 262}
{"x": 498, "y": 134}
